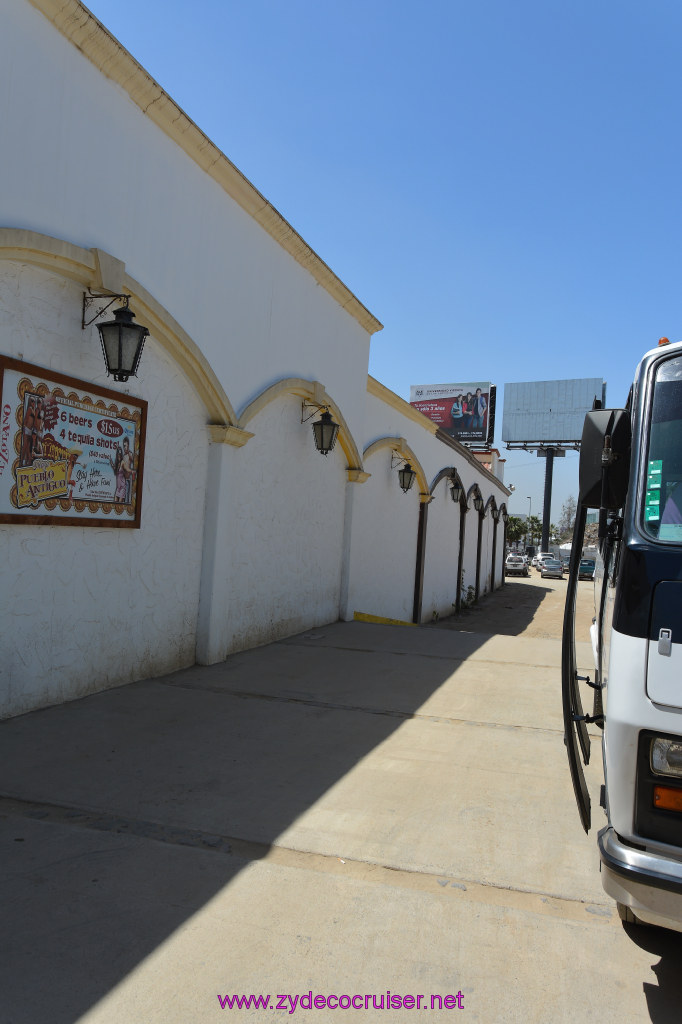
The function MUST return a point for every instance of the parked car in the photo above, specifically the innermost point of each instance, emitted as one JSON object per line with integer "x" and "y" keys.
{"x": 552, "y": 568}
{"x": 586, "y": 569}
{"x": 541, "y": 558}
{"x": 515, "y": 565}
{"x": 566, "y": 562}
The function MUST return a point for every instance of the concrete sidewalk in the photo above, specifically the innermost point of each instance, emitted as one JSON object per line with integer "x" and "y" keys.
{"x": 358, "y": 809}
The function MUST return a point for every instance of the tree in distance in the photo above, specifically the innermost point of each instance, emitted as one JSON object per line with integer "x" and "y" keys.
{"x": 567, "y": 518}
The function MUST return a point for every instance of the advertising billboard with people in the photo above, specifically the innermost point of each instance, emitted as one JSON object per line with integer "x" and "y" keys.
{"x": 464, "y": 411}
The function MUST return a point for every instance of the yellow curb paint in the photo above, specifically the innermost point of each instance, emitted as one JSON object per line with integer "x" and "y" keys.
{"x": 364, "y": 617}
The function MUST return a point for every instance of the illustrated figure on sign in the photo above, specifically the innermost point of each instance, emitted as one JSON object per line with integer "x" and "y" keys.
{"x": 27, "y": 432}
{"x": 128, "y": 469}
{"x": 123, "y": 471}
{"x": 37, "y": 432}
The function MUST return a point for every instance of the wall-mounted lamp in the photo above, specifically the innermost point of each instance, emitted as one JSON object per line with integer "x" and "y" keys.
{"x": 456, "y": 492}
{"x": 122, "y": 340}
{"x": 505, "y": 517}
{"x": 406, "y": 476}
{"x": 325, "y": 432}
{"x": 495, "y": 514}
{"x": 478, "y": 504}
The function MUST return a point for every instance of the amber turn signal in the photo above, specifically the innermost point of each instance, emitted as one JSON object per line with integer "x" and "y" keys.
{"x": 668, "y": 799}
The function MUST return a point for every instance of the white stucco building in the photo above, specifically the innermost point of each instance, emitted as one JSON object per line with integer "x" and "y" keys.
{"x": 246, "y": 533}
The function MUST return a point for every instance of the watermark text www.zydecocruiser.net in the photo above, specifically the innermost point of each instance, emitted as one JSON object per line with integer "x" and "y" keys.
{"x": 307, "y": 1001}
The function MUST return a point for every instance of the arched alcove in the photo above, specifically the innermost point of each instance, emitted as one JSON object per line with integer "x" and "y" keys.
{"x": 97, "y": 270}
{"x": 310, "y": 392}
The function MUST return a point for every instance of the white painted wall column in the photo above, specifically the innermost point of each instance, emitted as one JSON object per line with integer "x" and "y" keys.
{"x": 355, "y": 476}
{"x": 213, "y": 636}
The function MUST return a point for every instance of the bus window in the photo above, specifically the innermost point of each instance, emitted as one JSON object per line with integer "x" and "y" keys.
{"x": 662, "y": 512}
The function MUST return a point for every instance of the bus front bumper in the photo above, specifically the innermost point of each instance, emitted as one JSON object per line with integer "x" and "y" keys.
{"x": 649, "y": 883}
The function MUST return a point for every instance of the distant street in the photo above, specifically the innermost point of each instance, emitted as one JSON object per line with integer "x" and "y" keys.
{"x": 358, "y": 810}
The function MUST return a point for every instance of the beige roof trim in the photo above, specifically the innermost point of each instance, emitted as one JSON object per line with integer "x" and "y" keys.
{"x": 401, "y": 406}
{"x": 78, "y": 25}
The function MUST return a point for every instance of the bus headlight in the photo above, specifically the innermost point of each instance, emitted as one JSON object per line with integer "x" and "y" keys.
{"x": 666, "y": 757}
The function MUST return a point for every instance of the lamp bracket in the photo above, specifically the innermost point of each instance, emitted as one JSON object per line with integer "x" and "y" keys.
{"x": 314, "y": 406}
{"x": 397, "y": 459}
{"x": 90, "y": 298}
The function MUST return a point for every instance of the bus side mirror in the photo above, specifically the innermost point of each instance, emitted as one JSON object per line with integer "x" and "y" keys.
{"x": 605, "y": 459}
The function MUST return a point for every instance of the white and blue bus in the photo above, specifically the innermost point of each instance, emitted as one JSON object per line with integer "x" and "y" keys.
{"x": 631, "y": 470}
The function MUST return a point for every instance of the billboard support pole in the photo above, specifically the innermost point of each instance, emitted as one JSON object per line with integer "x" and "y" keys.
{"x": 546, "y": 509}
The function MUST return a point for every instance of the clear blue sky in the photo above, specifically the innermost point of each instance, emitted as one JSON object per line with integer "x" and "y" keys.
{"x": 498, "y": 182}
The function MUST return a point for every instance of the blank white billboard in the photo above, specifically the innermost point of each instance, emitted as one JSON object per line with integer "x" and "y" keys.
{"x": 549, "y": 410}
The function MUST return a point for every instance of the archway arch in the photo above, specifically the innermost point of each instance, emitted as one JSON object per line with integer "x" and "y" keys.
{"x": 450, "y": 473}
{"x": 504, "y": 516}
{"x": 463, "y": 509}
{"x": 474, "y": 498}
{"x": 400, "y": 446}
{"x": 98, "y": 270}
{"x": 309, "y": 391}
{"x": 495, "y": 514}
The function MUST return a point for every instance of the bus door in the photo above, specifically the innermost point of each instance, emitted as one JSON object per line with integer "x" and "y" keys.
{"x": 604, "y": 470}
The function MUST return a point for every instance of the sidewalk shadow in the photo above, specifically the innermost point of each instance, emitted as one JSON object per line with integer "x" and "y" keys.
{"x": 124, "y": 812}
{"x": 508, "y": 611}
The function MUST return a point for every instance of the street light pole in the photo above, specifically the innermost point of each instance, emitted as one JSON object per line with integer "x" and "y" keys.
{"x": 529, "y": 510}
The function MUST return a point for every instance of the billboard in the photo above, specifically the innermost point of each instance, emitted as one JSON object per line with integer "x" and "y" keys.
{"x": 71, "y": 452}
{"x": 549, "y": 410}
{"x": 464, "y": 411}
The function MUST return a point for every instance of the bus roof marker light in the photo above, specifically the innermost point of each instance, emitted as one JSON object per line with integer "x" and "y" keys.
{"x": 664, "y": 341}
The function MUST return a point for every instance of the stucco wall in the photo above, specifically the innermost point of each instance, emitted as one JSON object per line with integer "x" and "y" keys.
{"x": 285, "y": 529}
{"x": 442, "y": 550}
{"x": 384, "y": 543}
{"x": 385, "y": 522}
{"x": 238, "y": 545}
{"x": 88, "y": 608}
{"x": 469, "y": 558}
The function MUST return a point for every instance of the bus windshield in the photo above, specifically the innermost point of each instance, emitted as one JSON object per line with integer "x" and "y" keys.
{"x": 662, "y": 512}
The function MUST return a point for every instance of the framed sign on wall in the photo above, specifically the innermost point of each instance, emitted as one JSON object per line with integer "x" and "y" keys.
{"x": 71, "y": 452}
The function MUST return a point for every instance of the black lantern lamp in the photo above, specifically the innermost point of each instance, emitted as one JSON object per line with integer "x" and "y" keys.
{"x": 122, "y": 340}
{"x": 326, "y": 432}
{"x": 122, "y": 344}
{"x": 406, "y": 476}
{"x": 456, "y": 491}
{"x": 478, "y": 504}
{"x": 495, "y": 514}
